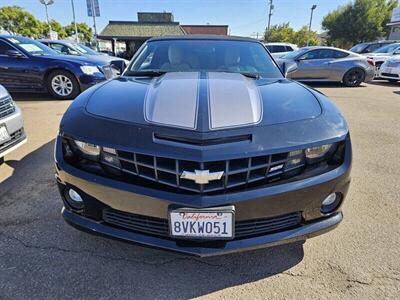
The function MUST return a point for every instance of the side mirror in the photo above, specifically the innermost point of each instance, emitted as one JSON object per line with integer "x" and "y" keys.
{"x": 14, "y": 53}
{"x": 288, "y": 69}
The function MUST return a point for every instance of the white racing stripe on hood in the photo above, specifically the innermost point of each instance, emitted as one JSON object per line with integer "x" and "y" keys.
{"x": 172, "y": 100}
{"x": 234, "y": 100}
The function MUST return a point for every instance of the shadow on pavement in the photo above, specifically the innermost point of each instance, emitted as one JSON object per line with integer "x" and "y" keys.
{"x": 33, "y": 97}
{"x": 43, "y": 257}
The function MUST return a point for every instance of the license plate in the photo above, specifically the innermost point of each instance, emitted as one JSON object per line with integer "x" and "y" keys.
{"x": 210, "y": 223}
{"x": 4, "y": 136}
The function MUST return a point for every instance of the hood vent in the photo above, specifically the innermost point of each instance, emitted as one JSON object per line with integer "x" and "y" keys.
{"x": 203, "y": 142}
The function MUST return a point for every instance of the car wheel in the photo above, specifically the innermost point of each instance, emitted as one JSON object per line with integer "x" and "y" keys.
{"x": 353, "y": 77}
{"x": 1, "y": 160}
{"x": 62, "y": 85}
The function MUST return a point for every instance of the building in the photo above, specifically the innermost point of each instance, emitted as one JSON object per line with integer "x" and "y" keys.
{"x": 150, "y": 24}
{"x": 394, "y": 25}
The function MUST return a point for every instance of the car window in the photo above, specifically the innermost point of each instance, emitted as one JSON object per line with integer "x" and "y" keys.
{"x": 339, "y": 54}
{"x": 318, "y": 54}
{"x": 372, "y": 47}
{"x": 359, "y": 48}
{"x": 388, "y": 48}
{"x": 4, "y": 47}
{"x": 59, "y": 48}
{"x": 205, "y": 55}
{"x": 269, "y": 47}
{"x": 288, "y": 49}
{"x": 278, "y": 48}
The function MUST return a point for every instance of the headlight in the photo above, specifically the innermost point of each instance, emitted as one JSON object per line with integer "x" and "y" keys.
{"x": 89, "y": 150}
{"x": 315, "y": 153}
{"x": 90, "y": 70}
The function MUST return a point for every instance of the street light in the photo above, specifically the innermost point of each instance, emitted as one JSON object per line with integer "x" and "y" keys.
{"x": 309, "y": 27}
{"x": 74, "y": 19}
{"x": 47, "y": 3}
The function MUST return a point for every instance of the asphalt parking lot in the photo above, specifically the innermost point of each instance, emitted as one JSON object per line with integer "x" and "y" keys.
{"x": 42, "y": 257}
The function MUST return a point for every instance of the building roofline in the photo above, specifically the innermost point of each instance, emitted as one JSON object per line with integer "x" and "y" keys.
{"x": 203, "y": 37}
{"x": 204, "y": 25}
{"x": 141, "y": 23}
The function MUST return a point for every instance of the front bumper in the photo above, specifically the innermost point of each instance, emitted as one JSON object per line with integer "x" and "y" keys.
{"x": 303, "y": 196}
{"x": 14, "y": 124}
{"x": 87, "y": 81}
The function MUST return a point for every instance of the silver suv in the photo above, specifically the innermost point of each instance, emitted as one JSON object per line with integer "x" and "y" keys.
{"x": 12, "y": 133}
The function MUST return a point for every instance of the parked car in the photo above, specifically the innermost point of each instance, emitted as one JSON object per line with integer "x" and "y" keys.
{"x": 27, "y": 65}
{"x": 365, "y": 48}
{"x": 379, "y": 56}
{"x": 278, "y": 50}
{"x": 319, "y": 63}
{"x": 204, "y": 149}
{"x": 73, "y": 48}
{"x": 12, "y": 134}
{"x": 390, "y": 69}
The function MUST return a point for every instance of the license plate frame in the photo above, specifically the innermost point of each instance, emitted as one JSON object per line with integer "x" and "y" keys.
{"x": 4, "y": 135}
{"x": 225, "y": 210}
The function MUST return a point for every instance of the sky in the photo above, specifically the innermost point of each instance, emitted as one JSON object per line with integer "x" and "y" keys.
{"x": 244, "y": 17}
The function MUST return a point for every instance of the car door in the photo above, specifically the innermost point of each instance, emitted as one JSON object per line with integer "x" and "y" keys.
{"x": 314, "y": 64}
{"x": 17, "y": 73}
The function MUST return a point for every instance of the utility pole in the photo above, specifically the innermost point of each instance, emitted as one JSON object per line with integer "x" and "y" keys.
{"x": 76, "y": 27}
{"x": 47, "y": 3}
{"x": 271, "y": 8}
{"x": 309, "y": 27}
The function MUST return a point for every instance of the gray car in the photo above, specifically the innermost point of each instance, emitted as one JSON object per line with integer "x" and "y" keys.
{"x": 12, "y": 133}
{"x": 328, "y": 64}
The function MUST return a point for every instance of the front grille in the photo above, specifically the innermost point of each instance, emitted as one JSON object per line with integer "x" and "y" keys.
{"x": 238, "y": 173}
{"x": 390, "y": 75}
{"x": 108, "y": 72}
{"x": 14, "y": 138}
{"x": 6, "y": 107}
{"x": 159, "y": 227}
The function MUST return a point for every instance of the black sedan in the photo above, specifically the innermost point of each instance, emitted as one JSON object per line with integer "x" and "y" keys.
{"x": 29, "y": 66}
{"x": 203, "y": 146}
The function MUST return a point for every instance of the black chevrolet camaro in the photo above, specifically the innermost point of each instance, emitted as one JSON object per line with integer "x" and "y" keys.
{"x": 203, "y": 146}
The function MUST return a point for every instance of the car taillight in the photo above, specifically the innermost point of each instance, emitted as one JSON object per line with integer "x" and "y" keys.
{"x": 371, "y": 62}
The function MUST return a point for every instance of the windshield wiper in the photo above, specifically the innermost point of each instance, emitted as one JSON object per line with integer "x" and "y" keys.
{"x": 251, "y": 75}
{"x": 146, "y": 73}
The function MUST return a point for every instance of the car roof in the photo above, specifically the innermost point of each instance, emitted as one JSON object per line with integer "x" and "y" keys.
{"x": 203, "y": 37}
{"x": 280, "y": 44}
{"x": 57, "y": 41}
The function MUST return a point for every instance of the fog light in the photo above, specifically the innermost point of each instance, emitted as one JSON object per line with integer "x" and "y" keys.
{"x": 331, "y": 203}
{"x": 74, "y": 199}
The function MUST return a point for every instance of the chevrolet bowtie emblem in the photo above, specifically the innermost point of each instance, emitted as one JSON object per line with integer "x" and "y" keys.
{"x": 202, "y": 176}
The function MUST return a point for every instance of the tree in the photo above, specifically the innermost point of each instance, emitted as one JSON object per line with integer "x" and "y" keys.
{"x": 300, "y": 37}
{"x": 16, "y": 20}
{"x": 55, "y": 26}
{"x": 358, "y": 21}
{"x": 84, "y": 30}
{"x": 285, "y": 33}
{"x": 280, "y": 33}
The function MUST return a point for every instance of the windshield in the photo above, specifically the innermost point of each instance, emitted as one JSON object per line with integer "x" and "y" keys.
{"x": 31, "y": 46}
{"x": 358, "y": 48}
{"x": 85, "y": 49}
{"x": 294, "y": 54}
{"x": 204, "y": 55}
{"x": 387, "y": 49}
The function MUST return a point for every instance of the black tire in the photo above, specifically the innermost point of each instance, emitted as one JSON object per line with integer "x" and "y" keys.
{"x": 354, "y": 77}
{"x": 392, "y": 80}
{"x": 1, "y": 160}
{"x": 62, "y": 85}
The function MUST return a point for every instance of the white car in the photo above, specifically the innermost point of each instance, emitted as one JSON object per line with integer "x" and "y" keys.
{"x": 12, "y": 133}
{"x": 390, "y": 70}
{"x": 278, "y": 50}
{"x": 380, "y": 55}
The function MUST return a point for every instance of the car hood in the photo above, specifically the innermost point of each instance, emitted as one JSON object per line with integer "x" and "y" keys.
{"x": 83, "y": 60}
{"x": 203, "y": 101}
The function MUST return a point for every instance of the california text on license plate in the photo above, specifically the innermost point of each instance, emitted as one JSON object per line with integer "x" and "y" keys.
{"x": 4, "y": 136}
{"x": 210, "y": 223}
